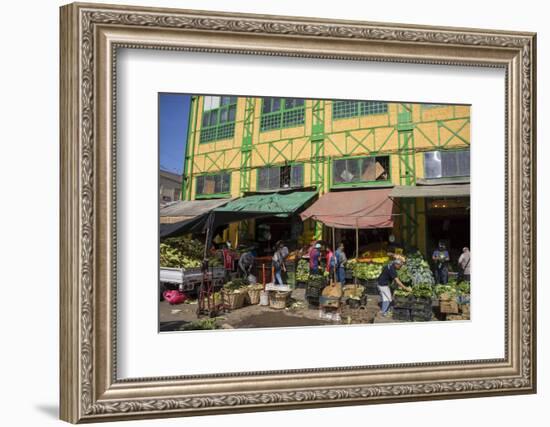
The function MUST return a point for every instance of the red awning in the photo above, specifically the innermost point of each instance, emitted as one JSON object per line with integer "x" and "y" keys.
{"x": 350, "y": 209}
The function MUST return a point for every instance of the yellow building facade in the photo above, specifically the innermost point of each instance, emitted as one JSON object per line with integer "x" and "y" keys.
{"x": 240, "y": 145}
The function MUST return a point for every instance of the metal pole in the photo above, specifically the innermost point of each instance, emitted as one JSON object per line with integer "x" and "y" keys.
{"x": 333, "y": 254}
{"x": 356, "y": 246}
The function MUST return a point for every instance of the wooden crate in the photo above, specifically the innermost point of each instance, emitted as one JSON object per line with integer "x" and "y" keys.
{"x": 465, "y": 309}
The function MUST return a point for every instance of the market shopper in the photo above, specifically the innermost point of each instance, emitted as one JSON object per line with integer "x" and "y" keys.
{"x": 228, "y": 260}
{"x": 389, "y": 275}
{"x": 315, "y": 258}
{"x": 464, "y": 265}
{"x": 341, "y": 260}
{"x": 330, "y": 262}
{"x": 246, "y": 262}
{"x": 441, "y": 259}
{"x": 278, "y": 261}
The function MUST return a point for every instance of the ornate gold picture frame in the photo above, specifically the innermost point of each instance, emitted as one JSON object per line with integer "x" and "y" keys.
{"x": 90, "y": 37}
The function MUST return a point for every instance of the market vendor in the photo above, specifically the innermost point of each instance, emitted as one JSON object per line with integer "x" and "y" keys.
{"x": 278, "y": 262}
{"x": 228, "y": 260}
{"x": 315, "y": 258}
{"x": 464, "y": 265}
{"x": 340, "y": 260}
{"x": 246, "y": 262}
{"x": 389, "y": 275}
{"x": 441, "y": 259}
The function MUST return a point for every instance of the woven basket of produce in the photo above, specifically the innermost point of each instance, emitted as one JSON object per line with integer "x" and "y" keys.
{"x": 234, "y": 299}
{"x": 353, "y": 291}
{"x": 448, "y": 307}
{"x": 278, "y": 300}
{"x": 253, "y": 294}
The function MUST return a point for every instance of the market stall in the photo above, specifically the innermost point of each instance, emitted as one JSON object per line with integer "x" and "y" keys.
{"x": 356, "y": 210}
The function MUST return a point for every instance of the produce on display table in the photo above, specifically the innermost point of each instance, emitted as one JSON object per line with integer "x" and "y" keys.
{"x": 366, "y": 271}
{"x": 302, "y": 271}
{"x": 236, "y": 285}
{"x": 449, "y": 290}
{"x": 422, "y": 291}
{"x": 416, "y": 271}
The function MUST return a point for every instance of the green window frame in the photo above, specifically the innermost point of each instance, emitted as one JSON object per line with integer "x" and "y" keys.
{"x": 347, "y": 109}
{"x": 218, "y": 120}
{"x": 446, "y": 164}
{"x": 213, "y": 185}
{"x": 430, "y": 106}
{"x": 360, "y": 171}
{"x": 278, "y": 113}
{"x": 269, "y": 178}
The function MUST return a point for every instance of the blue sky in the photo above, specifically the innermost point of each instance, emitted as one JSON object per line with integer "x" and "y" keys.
{"x": 173, "y": 122}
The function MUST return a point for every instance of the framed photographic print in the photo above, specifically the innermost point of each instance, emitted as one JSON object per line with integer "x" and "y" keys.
{"x": 267, "y": 212}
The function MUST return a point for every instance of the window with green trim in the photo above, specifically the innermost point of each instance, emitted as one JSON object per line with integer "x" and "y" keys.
{"x": 446, "y": 164}
{"x": 428, "y": 106}
{"x": 282, "y": 113}
{"x": 218, "y": 118}
{"x": 213, "y": 185}
{"x": 344, "y": 109}
{"x": 360, "y": 170}
{"x": 278, "y": 177}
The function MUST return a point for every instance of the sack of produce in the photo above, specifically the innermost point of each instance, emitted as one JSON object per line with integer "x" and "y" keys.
{"x": 333, "y": 290}
{"x": 174, "y": 297}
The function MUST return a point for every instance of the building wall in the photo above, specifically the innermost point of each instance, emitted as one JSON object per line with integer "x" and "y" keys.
{"x": 421, "y": 128}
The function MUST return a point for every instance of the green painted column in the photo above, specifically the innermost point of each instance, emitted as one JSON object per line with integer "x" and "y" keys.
{"x": 246, "y": 145}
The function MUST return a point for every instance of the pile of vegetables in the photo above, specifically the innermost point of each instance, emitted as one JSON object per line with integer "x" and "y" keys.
{"x": 367, "y": 271}
{"x": 302, "y": 271}
{"x": 236, "y": 285}
{"x": 402, "y": 293}
{"x": 450, "y": 290}
{"x": 183, "y": 252}
{"x": 422, "y": 291}
{"x": 376, "y": 257}
{"x": 174, "y": 258}
{"x": 463, "y": 288}
{"x": 317, "y": 280}
{"x": 416, "y": 271}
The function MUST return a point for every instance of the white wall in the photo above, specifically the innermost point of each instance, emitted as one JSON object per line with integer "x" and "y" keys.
{"x": 29, "y": 231}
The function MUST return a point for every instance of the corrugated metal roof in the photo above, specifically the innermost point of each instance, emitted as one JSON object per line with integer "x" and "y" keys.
{"x": 449, "y": 190}
{"x": 191, "y": 208}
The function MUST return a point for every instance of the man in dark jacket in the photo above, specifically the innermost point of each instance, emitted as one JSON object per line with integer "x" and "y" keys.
{"x": 389, "y": 275}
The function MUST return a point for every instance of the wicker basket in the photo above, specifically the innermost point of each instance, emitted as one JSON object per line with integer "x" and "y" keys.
{"x": 254, "y": 295}
{"x": 278, "y": 300}
{"x": 234, "y": 300}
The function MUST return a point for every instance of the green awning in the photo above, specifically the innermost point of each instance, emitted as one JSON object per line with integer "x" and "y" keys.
{"x": 260, "y": 206}
{"x": 272, "y": 204}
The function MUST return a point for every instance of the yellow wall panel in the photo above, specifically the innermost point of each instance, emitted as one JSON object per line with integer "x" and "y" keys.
{"x": 373, "y": 120}
{"x": 345, "y": 124}
{"x": 293, "y": 132}
{"x": 387, "y": 139}
{"x": 394, "y": 169}
{"x": 462, "y": 110}
{"x": 436, "y": 113}
{"x": 235, "y": 184}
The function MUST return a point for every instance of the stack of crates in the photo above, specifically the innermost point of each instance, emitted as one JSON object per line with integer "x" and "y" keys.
{"x": 402, "y": 308}
{"x": 421, "y": 309}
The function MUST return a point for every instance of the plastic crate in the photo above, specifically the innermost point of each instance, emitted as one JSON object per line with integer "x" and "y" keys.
{"x": 402, "y": 302}
{"x": 421, "y": 303}
{"x": 403, "y": 314}
{"x": 421, "y": 315}
{"x": 314, "y": 291}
